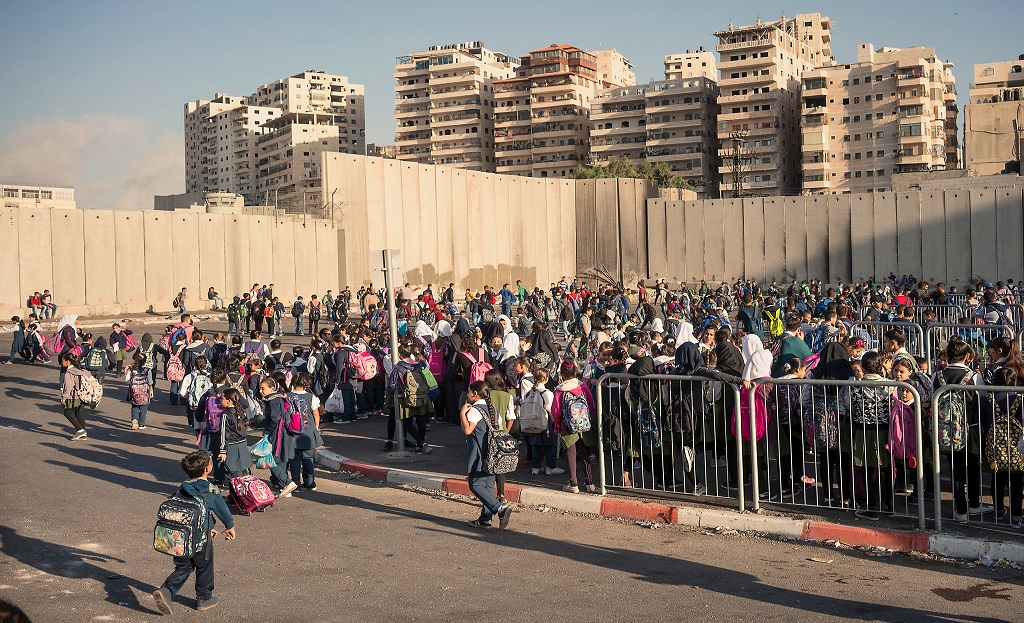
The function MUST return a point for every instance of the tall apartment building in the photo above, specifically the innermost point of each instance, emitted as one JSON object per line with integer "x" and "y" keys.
{"x": 759, "y": 122}
{"x": 691, "y": 64}
{"x": 993, "y": 120}
{"x": 613, "y": 69}
{"x": 887, "y": 113}
{"x": 542, "y": 117}
{"x": 266, "y": 144}
{"x": 444, "y": 104}
{"x": 672, "y": 121}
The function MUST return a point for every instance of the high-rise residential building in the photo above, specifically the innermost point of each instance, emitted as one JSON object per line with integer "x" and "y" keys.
{"x": 993, "y": 139}
{"x": 542, "y": 117}
{"x": 759, "y": 121}
{"x": 614, "y": 69}
{"x": 887, "y": 113}
{"x": 444, "y": 104}
{"x": 267, "y": 144}
{"x": 672, "y": 121}
{"x": 691, "y": 64}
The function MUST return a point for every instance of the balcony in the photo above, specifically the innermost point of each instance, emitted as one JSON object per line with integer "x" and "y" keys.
{"x": 408, "y": 113}
{"x": 450, "y": 150}
{"x": 653, "y": 108}
{"x": 436, "y": 80}
{"x": 758, "y": 42}
{"x": 618, "y": 131}
{"x": 454, "y": 119}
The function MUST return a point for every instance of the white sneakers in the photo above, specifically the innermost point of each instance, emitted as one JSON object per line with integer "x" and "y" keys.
{"x": 287, "y": 491}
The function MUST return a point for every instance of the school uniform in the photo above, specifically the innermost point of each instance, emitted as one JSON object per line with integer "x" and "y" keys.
{"x": 306, "y": 440}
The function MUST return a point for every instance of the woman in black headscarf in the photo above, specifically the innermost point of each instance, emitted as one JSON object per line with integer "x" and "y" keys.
{"x": 830, "y": 424}
{"x": 543, "y": 350}
{"x": 730, "y": 361}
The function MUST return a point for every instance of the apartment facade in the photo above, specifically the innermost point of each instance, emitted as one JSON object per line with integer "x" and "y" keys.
{"x": 542, "y": 115}
{"x": 32, "y": 196}
{"x": 694, "y": 63}
{"x": 993, "y": 119}
{"x": 887, "y": 113}
{"x": 671, "y": 121}
{"x": 444, "y": 104}
{"x": 262, "y": 145}
{"x": 760, "y": 68}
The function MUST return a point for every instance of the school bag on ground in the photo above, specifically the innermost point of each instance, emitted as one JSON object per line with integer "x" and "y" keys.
{"x": 365, "y": 365}
{"x": 90, "y": 392}
{"x": 197, "y": 389}
{"x": 502, "y": 453}
{"x": 249, "y": 494}
{"x": 175, "y": 369}
{"x": 1003, "y": 441}
{"x": 533, "y": 417}
{"x": 181, "y": 526}
{"x": 139, "y": 389}
{"x": 575, "y": 412}
{"x": 480, "y": 368}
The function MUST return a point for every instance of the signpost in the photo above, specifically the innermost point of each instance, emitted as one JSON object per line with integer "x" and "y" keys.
{"x": 390, "y": 263}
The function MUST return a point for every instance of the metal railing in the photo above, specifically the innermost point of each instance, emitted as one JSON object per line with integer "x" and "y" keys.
{"x": 943, "y": 313}
{"x": 938, "y": 334}
{"x": 876, "y": 333}
{"x": 972, "y": 429}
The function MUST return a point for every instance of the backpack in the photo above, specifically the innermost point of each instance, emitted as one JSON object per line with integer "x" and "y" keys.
{"x": 999, "y": 309}
{"x": 479, "y": 367}
{"x": 165, "y": 342}
{"x": 575, "y": 412}
{"x": 377, "y": 320}
{"x": 952, "y": 416}
{"x": 89, "y": 390}
{"x": 268, "y": 312}
{"x": 1002, "y": 444}
{"x": 776, "y": 326}
{"x": 822, "y": 427}
{"x": 175, "y": 370}
{"x": 297, "y": 413}
{"x": 234, "y": 312}
{"x": 647, "y": 426}
{"x": 94, "y": 361}
{"x": 487, "y": 314}
{"x": 502, "y": 453}
{"x": 176, "y": 302}
{"x": 533, "y": 417}
{"x": 416, "y": 387}
{"x": 129, "y": 342}
{"x": 760, "y": 414}
{"x": 314, "y": 314}
{"x": 139, "y": 390}
{"x": 902, "y": 435}
{"x": 197, "y": 389}
{"x": 297, "y": 309}
{"x": 181, "y": 526}
{"x": 756, "y": 322}
{"x": 544, "y": 361}
{"x": 436, "y": 361}
{"x": 365, "y": 365}
{"x": 214, "y": 415}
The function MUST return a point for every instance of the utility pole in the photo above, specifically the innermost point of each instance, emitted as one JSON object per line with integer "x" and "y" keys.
{"x": 740, "y": 160}
{"x": 389, "y": 288}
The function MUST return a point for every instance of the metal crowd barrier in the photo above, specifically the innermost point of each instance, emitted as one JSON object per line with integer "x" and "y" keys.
{"x": 876, "y": 332}
{"x": 802, "y": 428}
{"x": 937, "y": 335}
{"x": 1016, "y": 314}
{"x": 974, "y": 444}
{"x": 950, "y": 314}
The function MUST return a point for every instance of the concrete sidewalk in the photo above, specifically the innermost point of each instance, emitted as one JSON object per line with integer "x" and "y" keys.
{"x": 358, "y": 447}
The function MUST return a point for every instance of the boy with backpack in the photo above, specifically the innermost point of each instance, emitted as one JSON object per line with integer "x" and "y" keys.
{"x": 140, "y": 390}
{"x": 298, "y": 309}
{"x": 194, "y": 552}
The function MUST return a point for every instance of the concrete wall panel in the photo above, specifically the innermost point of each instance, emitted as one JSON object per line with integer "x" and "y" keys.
{"x": 160, "y": 288}
{"x": 101, "y": 258}
{"x": 733, "y": 227}
{"x": 412, "y": 240}
{"x": 816, "y": 209}
{"x": 567, "y": 228}
{"x": 430, "y": 245}
{"x": 714, "y": 241}
{"x": 185, "y": 249}
{"x": 491, "y": 228}
{"x": 461, "y": 235}
{"x": 327, "y": 259}
{"x": 212, "y": 256}
{"x": 886, "y": 244}
{"x": 392, "y": 170}
{"x": 933, "y": 237}
{"x": 629, "y": 239}
{"x": 262, "y": 258}
{"x": 445, "y": 261}
{"x": 908, "y": 233}
{"x": 284, "y": 249}
{"x": 753, "y": 238}
{"x": 958, "y": 236}
{"x": 552, "y": 218}
{"x": 839, "y": 239}
{"x": 795, "y": 238}
{"x": 475, "y": 223}
{"x": 306, "y": 269}
{"x": 68, "y": 284}
{"x": 862, "y": 251}
{"x": 674, "y": 241}
{"x": 644, "y": 190}
{"x": 376, "y": 209}
{"x": 502, "y": 220}
{"x": 586, "y": 225}
{"x": 11, "y": 294}
{"x": 657, "y": 238}
{"x": 693, "y": 237}
{"x": 131, "y": 252}
{"x": 35, "y": 265}
{"x": 355, "y": 217}
{"x": 775, "y": 238}
{"x": 607, "y": 224}
{"x": 983, "y": 234}
{"x": 535, "y": 233}
{"x": 236, "y": 255}
{"x": 1010, "y": 256}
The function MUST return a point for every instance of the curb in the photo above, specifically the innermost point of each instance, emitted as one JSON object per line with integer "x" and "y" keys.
{"x": 697, "y": 517}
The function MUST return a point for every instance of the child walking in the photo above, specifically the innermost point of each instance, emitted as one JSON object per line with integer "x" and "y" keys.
{"x": 140, "y": 390}
{"x": 198, "y": 466}
{"x": 476, "y": 416}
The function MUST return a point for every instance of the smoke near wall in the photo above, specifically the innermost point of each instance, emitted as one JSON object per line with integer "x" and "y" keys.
{"x": 113, "y": 162}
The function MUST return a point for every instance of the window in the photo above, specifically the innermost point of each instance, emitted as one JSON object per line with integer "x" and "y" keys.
{"x": 846, "y": 175}
{"x": 846, "y": 156}
{"x": 856, "y": 100}
{"x": 846, "y": 119}
{"x": 880, "y": 134}
{"x": 878, "y": 115}
{"x": 846, "y": 138}
{"x": 878, "y": 97}
{"x": 856, "y": 80}
{"x": 856, "y": 118}
{"x": 880, "y": 173}
{"x": 846, "y": 83}
{"x": 856, "y": 137}
{"x": 846, "y": 101}
{"x": 857, "y": 174}
{"x": 871, "y": 173}
{"x": 856, "y": 156}
{"x": 11, "y": 192}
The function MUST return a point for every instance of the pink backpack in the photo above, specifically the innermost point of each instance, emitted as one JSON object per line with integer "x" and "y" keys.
{"x": 436, "y": 361}
{"x": 175, "y": 369}
{"x": 129, "y": 342}
{"x": 760, "y": 413}
{"x": 902, "y": 435}
{"x": 479, "y": 367}
{"x": 365, "y": 365}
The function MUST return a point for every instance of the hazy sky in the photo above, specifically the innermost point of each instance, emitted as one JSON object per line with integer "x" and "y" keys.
{"x": 93, "y": 91}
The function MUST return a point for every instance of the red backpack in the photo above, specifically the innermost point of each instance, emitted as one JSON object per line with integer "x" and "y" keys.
{"x": 479, "y": 367}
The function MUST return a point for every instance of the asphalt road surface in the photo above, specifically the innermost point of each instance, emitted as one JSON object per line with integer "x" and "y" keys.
{"x": 76, "y": 524}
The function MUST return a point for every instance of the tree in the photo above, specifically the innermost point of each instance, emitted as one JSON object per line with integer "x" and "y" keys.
{"x": 623, "y": 167}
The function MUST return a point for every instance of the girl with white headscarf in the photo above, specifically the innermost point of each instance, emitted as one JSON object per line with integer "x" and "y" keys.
{"x": 67, "y": 337}
{"x": 757, "y": 361}
{"x": 510, "y": 339}
{"x": 684, "y": 333}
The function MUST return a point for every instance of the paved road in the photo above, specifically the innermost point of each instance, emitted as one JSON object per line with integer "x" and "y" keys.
{"x": 75, "y": 545}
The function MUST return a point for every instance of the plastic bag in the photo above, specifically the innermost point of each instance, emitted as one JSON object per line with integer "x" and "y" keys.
{"x": 335, "y": 403}
{"x": 266, "y": 462}
{"x": 263, "y": 447}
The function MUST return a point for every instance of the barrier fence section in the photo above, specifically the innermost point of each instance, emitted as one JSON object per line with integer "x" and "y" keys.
{"x": 950, "y": 314}
{"x": 791, "y": 441}
{"x": 937, "y": 336}
{"x": 976, "y": 444}
{"x": 1016, "y": 315}
{"x": 876, "y": 333}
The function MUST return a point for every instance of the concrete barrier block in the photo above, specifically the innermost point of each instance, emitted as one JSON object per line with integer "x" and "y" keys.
{"x": 572, "y": 502}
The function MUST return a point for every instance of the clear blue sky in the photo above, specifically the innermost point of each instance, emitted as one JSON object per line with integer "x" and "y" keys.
{"x": 93, "y": 91}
